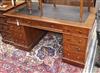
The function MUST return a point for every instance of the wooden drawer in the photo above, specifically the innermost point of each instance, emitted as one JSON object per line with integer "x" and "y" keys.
{"x": 40, "y": 24}
{"x": 74, "y": 48}
{"x": 83, "y": 32}
{"x": 75, "y": 56}
{"x": 48, "y": 25}
{"x": 15, "y": 28}
{"x": 32, "y": 23}
{"x": 11, "y": 20}
{"x": 75, "y": 40}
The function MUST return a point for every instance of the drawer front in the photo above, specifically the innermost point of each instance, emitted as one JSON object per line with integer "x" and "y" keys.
{"x": 36, "y": 24}
{"x": 48, "y": 25}
{"x": 83, "y": 32}
{"x": 11, "y": 19}
{"x": 75, "y": 40}
{"x": 15, "y": 28}
{"x": 40, "y": 24}
{"x": 74, "y": 48}
{"x": 79, "y": 57}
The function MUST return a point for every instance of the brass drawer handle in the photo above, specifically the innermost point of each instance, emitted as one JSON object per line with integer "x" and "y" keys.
{"x": 68, "y": 54}
{"x": 78, "y": 49}
{"x": 80, "y": 41}
{"x": 29, "y": 22}
{"x": 80, "y": 32}
{"x": 20, "y": 36}
{"x": 78, "y": 57}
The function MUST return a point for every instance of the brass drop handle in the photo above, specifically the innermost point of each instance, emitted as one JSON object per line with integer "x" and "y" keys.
{"x": 29, "y": 22}
{"x": 80, "y": 32}
{"x": 78, "y": 49}
{"x": 78, "y": 57}
{"x": 68, "y": 54}
{"x": 80, "y": 41}
{"x": 20, "y": 35}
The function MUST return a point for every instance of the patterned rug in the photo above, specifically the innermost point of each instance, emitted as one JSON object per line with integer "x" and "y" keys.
{"x": 44, "y": 58}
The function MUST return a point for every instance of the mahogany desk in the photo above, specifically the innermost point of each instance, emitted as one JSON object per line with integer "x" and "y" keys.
{"x": 76, "y": 35}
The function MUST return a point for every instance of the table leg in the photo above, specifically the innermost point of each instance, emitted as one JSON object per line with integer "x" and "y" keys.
{"x": 94, "y": 3}
{"x": 54, "y": 3}
{"x": 41, "y": 7}
{"x": 89, "y": 3}
{"x": 29, "y": 5}
{"x": 81, "y": 10}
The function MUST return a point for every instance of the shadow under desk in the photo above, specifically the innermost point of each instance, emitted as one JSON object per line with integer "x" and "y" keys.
{"x": 64, "y": 20}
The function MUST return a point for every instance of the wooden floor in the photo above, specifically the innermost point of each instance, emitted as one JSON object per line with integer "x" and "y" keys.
{"x": 61, "y": 12}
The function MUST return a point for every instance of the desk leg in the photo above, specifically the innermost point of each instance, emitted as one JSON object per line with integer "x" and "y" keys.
{"x": 81, "y": 10}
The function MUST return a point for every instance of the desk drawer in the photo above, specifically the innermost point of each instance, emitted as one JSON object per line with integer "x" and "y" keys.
{"x": 75, "y": 40}
{"x": 11, "y": 19}
{"x": 37, "y": 24}
{"x": 74, "y": 48}
{"x": 40, "y": 24}
{"x": 76, "y": 31}
{"x": 15, "y": 28}
{"x": 74, "y": 56}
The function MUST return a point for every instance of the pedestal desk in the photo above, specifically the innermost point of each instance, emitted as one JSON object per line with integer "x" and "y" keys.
{"x": 76, "y": 35}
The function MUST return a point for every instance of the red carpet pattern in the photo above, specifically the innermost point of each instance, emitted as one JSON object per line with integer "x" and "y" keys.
{"x": 45, "y": 57}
